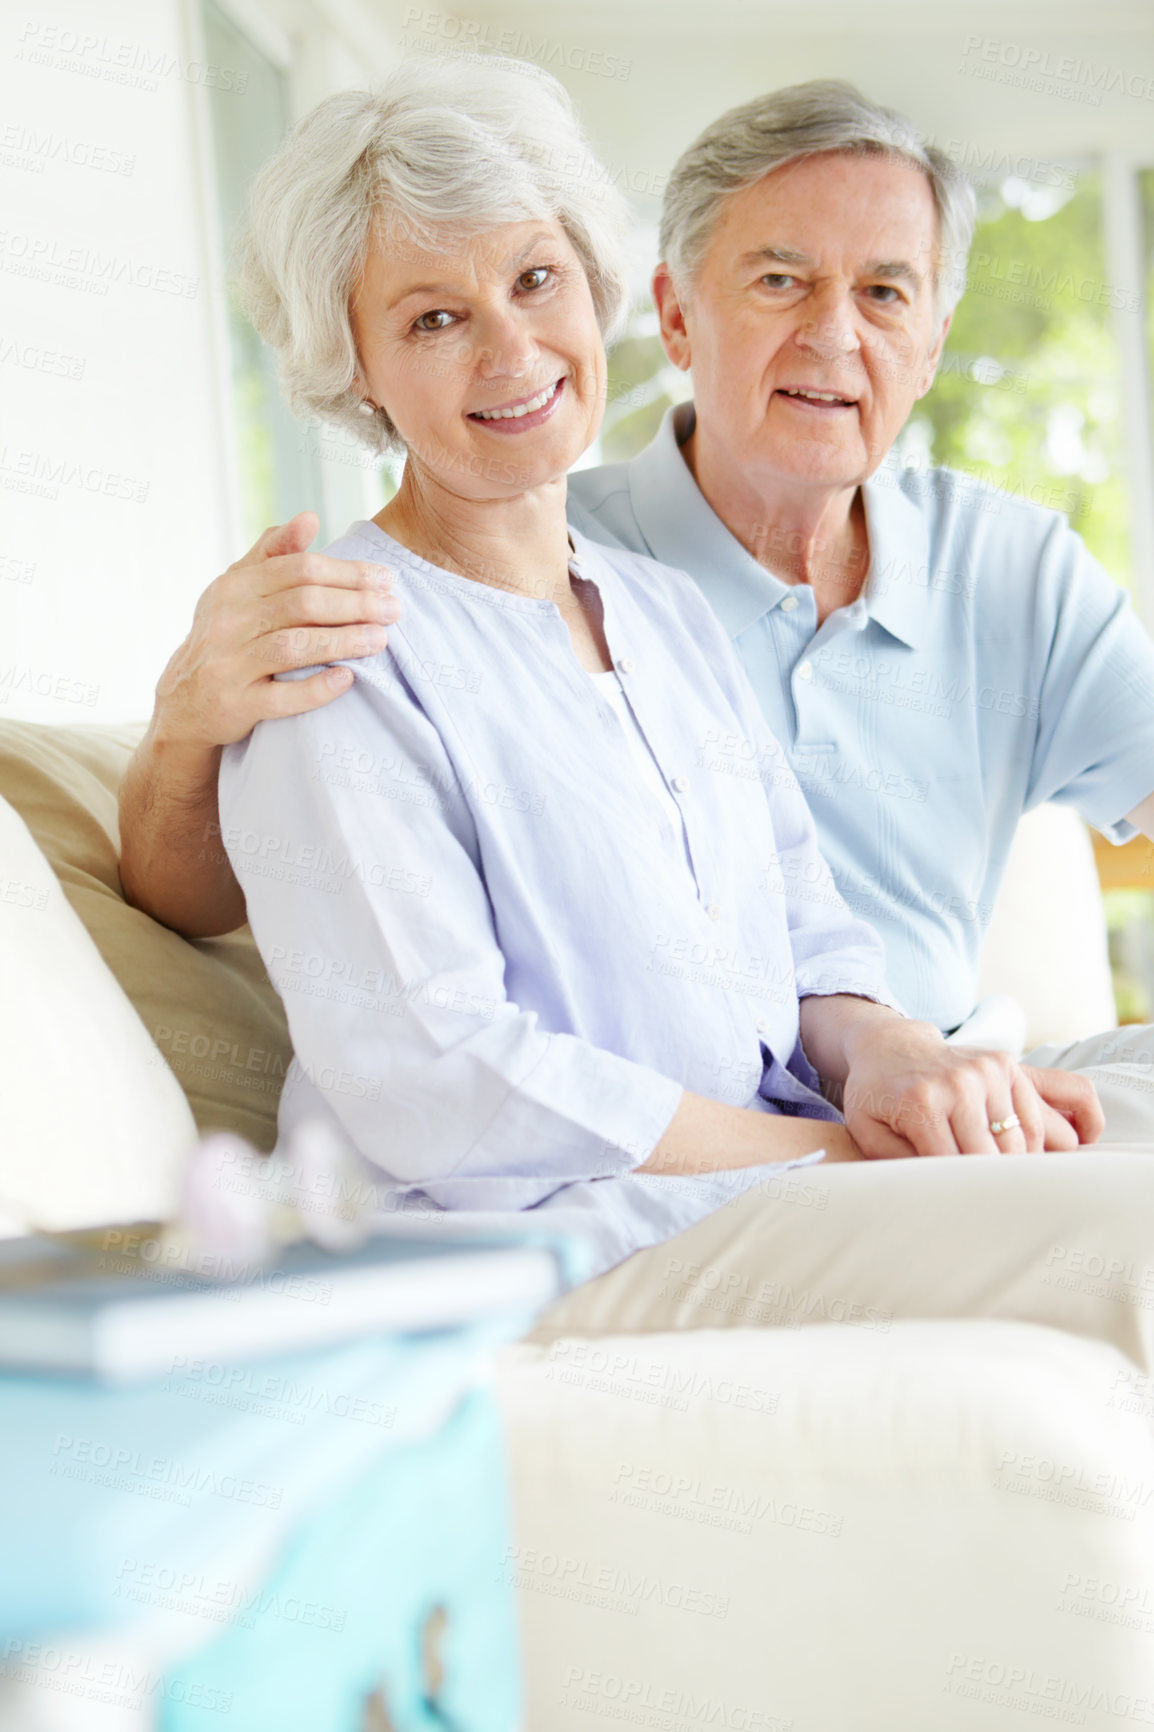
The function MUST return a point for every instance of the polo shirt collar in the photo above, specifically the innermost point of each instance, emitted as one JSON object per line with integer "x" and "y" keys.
{"x": 897, "y": 591}
{"x": 682, "y": 529}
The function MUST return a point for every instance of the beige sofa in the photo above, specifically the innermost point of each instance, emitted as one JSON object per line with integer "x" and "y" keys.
{"x": 914, "y": 1528}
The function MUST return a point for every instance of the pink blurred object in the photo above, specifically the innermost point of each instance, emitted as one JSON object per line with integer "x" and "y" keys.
{"x": 334, "y": 1198}
{"x": 224, "y": 1208}
{"x": 237, "y": 1207}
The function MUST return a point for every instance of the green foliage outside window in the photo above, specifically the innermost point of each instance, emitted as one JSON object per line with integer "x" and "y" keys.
{"x": 642, "y": 386}
{"x": 1130, "y": 927}
{"x": 1027, "y": 395}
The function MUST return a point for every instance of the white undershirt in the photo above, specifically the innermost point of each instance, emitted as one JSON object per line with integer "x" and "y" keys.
{"x": 610, "y": 688}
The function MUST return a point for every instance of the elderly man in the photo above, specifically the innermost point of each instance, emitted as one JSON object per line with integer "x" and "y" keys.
{"x": 935, "y": 658}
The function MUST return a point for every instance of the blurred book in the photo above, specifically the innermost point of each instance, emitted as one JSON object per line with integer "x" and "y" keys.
{"x": 118, "y": 1303}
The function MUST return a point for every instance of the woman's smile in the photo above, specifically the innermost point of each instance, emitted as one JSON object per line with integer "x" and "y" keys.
{"x": 521, "y": 413}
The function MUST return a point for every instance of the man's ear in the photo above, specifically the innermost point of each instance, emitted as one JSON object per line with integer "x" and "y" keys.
{"x": 935, "y": 356}
{"x": 674, "y": 334}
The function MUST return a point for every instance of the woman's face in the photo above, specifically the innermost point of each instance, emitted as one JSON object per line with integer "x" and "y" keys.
{"x": 486, "y": 355}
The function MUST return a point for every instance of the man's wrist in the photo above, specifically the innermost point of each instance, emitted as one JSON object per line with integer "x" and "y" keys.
{"x": 186, "y": 768}
{"x": 877, "y": 1021}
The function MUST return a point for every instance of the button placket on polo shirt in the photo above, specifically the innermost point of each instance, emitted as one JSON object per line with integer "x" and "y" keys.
{"x": 797, "y": 614}
{"x": 814, "y": 731}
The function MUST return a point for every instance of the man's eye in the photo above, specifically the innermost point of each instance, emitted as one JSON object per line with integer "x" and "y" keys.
{"x": 778, "y": 279}
{"x": 883, "y": 293}
{"x": 433, "y": 321}
{"x": 532, "y": 279}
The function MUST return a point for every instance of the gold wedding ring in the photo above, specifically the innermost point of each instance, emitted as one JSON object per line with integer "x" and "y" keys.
{"x": 997, "y": 1126}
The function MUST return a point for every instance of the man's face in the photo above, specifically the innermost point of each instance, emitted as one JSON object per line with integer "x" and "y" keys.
{"x": 810, "y": 326}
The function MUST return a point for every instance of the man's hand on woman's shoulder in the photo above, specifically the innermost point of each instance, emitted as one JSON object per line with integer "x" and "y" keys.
{"x": 278, "y": 607}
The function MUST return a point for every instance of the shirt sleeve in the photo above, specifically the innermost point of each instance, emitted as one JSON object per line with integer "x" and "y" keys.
{"x": 1095, "y": 740}
{"x": 353, "y": 843}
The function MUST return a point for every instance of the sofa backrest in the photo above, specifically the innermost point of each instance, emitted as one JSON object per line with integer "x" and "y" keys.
{"x": 208, "y": 1005}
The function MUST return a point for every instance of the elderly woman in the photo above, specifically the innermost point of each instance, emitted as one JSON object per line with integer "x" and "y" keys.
{"x": 539, "y": 948}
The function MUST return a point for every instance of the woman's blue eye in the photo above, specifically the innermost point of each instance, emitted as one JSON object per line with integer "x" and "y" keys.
{"x": 532, "y": 279}
{"x": 442, "y": 319}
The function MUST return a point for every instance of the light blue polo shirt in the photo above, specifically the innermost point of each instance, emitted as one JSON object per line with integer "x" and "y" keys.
{"x": 989, "y": 665}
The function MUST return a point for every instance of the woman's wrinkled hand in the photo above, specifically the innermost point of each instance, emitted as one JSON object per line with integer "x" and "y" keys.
{"x": 909, "y": 1093}
{"x": 277, "y": 608}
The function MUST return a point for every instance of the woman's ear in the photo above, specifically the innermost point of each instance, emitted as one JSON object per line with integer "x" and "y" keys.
{"x": 360, "y": 388}
{"x": 670, "y": 311}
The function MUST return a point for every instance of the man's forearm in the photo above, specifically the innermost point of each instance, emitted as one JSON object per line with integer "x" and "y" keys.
{"x": 172, "y": 863}
{"x": 829, "y": 1028}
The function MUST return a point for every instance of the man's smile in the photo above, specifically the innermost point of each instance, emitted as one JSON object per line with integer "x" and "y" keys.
{"x": 810, "y": 399}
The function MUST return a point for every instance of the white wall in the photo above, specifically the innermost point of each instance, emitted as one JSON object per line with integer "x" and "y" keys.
{"x": 112, "y": 498}
{"x": 118, "y": 501}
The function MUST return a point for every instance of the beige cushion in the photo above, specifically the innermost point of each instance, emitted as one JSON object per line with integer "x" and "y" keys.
{"x": 208, "y": 1006}
{"x": 93, "y": 1124}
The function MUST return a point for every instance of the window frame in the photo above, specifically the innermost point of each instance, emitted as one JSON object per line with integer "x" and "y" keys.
{"x": 316, "y": 59}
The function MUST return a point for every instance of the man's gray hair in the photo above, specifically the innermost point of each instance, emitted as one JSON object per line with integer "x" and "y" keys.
{"x": 825, "y": 115}
{"x": 441, "y": 150}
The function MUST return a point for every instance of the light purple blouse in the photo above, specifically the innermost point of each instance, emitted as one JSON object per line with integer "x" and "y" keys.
{"x": 501, "y": 962}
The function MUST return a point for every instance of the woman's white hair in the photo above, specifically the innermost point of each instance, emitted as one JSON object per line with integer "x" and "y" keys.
{"x": 453, "y": 145}
{"x": 802, "y": 120}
